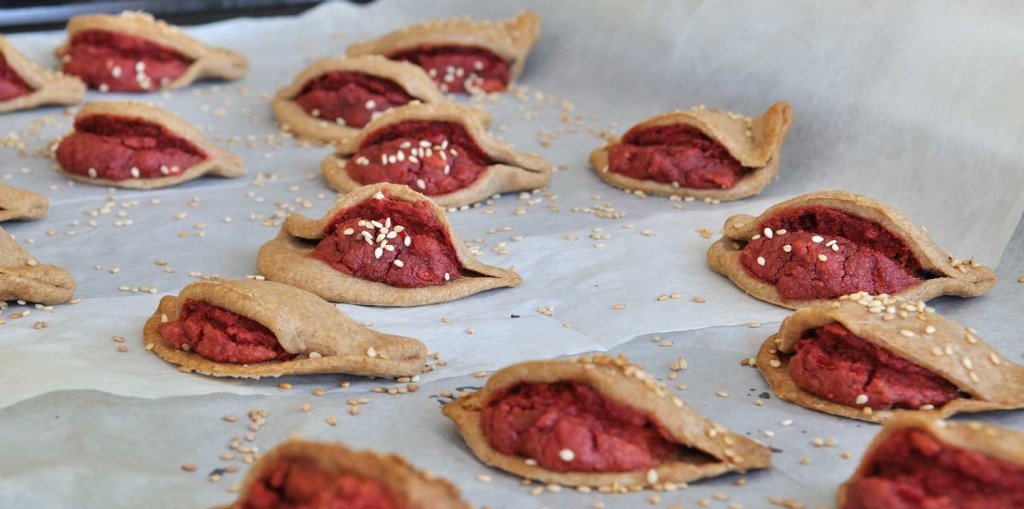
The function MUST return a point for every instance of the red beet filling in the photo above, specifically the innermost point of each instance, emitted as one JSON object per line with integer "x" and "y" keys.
{"x": 679, "y": 155}
{"x": 11, "y": 83}
{"x": 121, "y": 148}
{"x": 568, "y": 426}
{"x": 912, "y": 469}
{"x": 431, "y": 157}
{"x": 823, "y": 253}
{"x": 122, "y": 63}
{"x": 300, "y": 484}
{"x": 833, "y": 363}
{"x": 389, "y": 241}
{"x": 459, "y": 69}
{"x": 222, "y": 336}
{"x": 350, "y": 98}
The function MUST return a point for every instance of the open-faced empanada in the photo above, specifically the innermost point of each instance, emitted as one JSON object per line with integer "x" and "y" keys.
{"x": 442, "y": 150}
{"x": 300, "y": 473}
{"x": 137, "y": 146}
{"x": 380, "y": 245}
{"x": 253, "y": 329}
{"x": 596, "y": 421}
{"x": 870, "y": 358}
{"x": 697, "y": 153}
{"x": 133, "y": 52}
{"x": 334, "y": 98}
{"x": 920, "y": 462}
{"x": 822, "y": 245}
{"x": 25, "y": 85}
{"x": 460, "y": 54}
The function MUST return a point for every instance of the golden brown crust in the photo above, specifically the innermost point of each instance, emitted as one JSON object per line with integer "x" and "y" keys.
{"x": 327, "y": 340}
{"x": 410, "y": 77}
{"x": 20, "y": 204}
{"x": 760, "y": 152}
{"x": 22, "y": 277}
{"x": 207, "y": 61}
{"x": 414, "y": 488}
{"x": 48, "y": 86}
{"x": 1003, "y": 444}
{"x": 285, "y": 259}
{"x": 902, "y": 327}
{"x": 953, "y": 277}
{"x": 714, "y": 450}
{"x": 511, "y": 39}
{"x": 512, "y": 171}
{"x": 219, "y": 162}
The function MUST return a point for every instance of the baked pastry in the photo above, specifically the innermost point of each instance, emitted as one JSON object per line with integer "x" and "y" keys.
{"x": 697, "y": 153}
{"x": 380, "y": 245}
{"x": 596, "y": 421}
{"x": 22, "y": 277}
{"x": 870, "y": 358}
{"x": 442, "y": 150}
{"x": 21, "y": 204}
{"x": 460, "y": 54}
{"x": 25, "y": 85}
{"x": 133, "y": 52}
{"x": 920, "y": 462}
{"x": 137, "y": 146}
{"x": 334, "y": 98}
{"x": 253, "y": 329}
{"x": 822, "y": 245}
{"x": 302, "y": 474}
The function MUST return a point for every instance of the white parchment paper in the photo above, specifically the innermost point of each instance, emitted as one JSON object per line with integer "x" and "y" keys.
{"x": 916, "y": 104}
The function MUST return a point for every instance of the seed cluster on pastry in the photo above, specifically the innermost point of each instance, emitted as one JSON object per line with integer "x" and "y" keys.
{"x": 387, "y": 242}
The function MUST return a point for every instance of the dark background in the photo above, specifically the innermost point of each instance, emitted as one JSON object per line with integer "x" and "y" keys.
{"x": 29, "y": 15}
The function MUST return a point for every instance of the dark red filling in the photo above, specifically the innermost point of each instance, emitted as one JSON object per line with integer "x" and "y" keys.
{"x": 543, "y": 421}
{"x": 122, "y": 63}
{"x": 803, "y": 264}
{"x": 833, "y": 363}
{"x": 459, "y": 68}
{"x": 914, "y": 470}
{"x": 120, "y": 148}
{"x": 11, "y": 83}
{"x": 680, "y": 155}
{"x": 352, "y": 97}
{"x": 430, "y": 157}
{"x": 390, "y": 241}
{"x": 222, "y": 336}
{"x": 299, "y": 484}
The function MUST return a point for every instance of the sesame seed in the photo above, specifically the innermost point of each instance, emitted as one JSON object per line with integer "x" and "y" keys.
{"x": 907, "y": 333}
{"x": 371, "y": 353}
{"x": 399, "y": 263}
{"x": 371, "y": 104}
{"x": 787, "y": 248}
{"x": 378, "y": 196}
{"x": 760, "y": 261}
{"x": 862, "y": 399}
{"x": 566, "y": 455}
{"x": 822, "y": 257}
{"x": 768, "y": 233}
{"x": 817, "y": 239}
